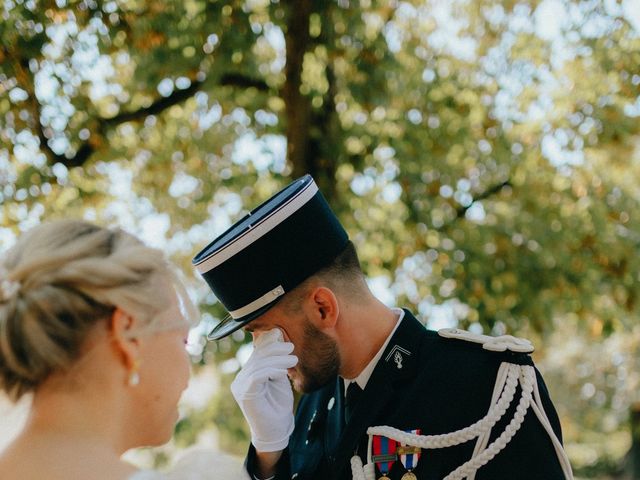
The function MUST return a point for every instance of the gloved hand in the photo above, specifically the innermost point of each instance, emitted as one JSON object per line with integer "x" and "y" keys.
{"x": 264, "y": 394}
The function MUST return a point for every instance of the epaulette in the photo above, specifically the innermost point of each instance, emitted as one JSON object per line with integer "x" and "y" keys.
{"x": 511, "y": 375}
{"x": 495, "y": 344}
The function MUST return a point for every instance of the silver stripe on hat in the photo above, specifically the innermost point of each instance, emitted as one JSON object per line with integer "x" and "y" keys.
{"x": 258, "y": 303}
{"x": 256, "y": 231}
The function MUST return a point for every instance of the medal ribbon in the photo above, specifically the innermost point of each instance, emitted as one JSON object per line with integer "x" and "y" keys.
{"x": 384, "y": 453}
{"x": 409, "y": 460}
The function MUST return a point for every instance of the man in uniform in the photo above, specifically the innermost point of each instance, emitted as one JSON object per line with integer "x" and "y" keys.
{"x": 446, "y": 404}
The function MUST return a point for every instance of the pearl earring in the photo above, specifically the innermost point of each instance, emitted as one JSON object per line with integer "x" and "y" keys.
{"x": 134, "y": 375}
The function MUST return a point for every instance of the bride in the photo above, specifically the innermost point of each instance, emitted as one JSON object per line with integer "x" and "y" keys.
{"x": 93, "y": 324}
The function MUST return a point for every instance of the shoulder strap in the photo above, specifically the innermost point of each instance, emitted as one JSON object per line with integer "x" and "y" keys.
{"x": 495, "y": 344}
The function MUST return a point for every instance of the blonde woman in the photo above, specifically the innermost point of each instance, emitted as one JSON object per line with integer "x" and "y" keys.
{"x": 94, "y": 325}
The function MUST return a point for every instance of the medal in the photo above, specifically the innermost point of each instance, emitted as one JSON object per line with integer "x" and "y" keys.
{"x": 384, "y": 454}
{"x": 409, "y": 456}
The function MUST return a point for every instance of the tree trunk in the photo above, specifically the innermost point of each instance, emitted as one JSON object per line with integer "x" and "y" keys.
{"x": 310, "y": 133}
{"x": 634, "y": 453}
{"x": 297, "y": 105}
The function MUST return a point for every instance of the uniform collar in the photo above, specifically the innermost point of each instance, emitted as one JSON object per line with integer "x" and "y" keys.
{"x": 397, "y": 365}
{"x": 363, "y": 378}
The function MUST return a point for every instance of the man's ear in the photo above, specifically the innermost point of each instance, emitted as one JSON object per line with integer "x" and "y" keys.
{"x": 121, "y": 325}
{"x": 321, "y": 306}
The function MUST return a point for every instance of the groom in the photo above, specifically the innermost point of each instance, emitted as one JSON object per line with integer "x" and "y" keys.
{"x": 288, "y": 274}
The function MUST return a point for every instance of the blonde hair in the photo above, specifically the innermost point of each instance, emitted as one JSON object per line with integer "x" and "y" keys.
{"x": 62, "y": 278}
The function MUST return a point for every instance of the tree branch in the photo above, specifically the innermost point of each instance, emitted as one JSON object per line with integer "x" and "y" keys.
{"x": 461, "y": 211}
{"x": 88, "y": 147}
{"x": 229, "y": 79}
{"x": 155, "y": 108}
{"x": 25, "y": 81}
{"x": 239, "y": 80}
{"x": 81, "y": 156}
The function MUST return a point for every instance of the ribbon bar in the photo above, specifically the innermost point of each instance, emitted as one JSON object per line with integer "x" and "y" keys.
{"x": 407, "y": 450}
{"x": 385, "y": 457}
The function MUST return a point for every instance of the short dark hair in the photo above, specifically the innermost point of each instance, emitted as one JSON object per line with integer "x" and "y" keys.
{"x": 342, "y": 275}
{"x": 346, "y": 264}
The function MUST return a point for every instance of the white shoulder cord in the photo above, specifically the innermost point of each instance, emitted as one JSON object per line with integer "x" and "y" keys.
{"x": 508, "y": 376}
{"x": 483, "y": 439}
{"x": 542, "y": 416}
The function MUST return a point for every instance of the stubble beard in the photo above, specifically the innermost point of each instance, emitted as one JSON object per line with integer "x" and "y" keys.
{"x": 319, "y": 360}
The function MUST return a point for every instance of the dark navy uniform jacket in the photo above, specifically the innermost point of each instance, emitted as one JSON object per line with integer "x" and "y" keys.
{"x": 443, "y": 385}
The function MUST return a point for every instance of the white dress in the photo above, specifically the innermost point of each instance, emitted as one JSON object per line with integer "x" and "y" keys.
{"x": 199, "y": 465}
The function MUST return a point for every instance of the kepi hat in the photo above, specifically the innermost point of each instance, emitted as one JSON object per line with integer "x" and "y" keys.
{"x": 269, "y": 252}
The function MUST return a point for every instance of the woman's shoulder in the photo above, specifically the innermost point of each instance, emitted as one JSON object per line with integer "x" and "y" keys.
{"x": 147, "y": 475}
{"x": 198, "y": 464}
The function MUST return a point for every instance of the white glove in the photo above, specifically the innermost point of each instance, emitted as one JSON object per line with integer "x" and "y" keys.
{"x": 264, "y": 394}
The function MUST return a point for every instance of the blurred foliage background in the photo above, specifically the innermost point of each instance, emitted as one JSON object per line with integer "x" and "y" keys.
{"x": 483, "y": 155}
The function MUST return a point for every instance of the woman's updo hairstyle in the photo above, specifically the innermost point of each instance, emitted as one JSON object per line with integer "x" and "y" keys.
{"x": 62, "y": 278}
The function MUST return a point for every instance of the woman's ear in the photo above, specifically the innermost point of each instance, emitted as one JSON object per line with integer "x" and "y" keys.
{"x": 121, "y": 325}
{"x": 321, "y": 306}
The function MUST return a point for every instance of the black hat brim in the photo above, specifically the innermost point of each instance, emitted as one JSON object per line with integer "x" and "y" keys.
{"x": 229, "y": 325}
